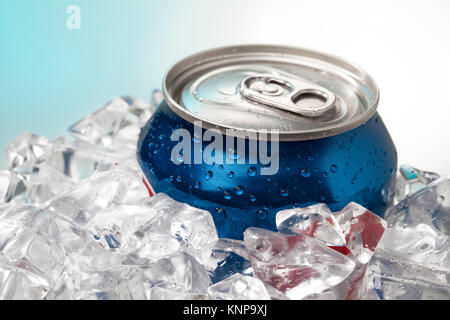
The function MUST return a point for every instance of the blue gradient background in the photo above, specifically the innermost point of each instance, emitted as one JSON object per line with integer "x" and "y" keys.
{"x": 51, "y": 76}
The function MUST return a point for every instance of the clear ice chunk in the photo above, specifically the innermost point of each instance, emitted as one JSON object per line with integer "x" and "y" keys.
{"x": 354, "y": 229}
{"x": 176, "y": 227}
{"x": 362, "y": 230}
{"x": 30, "y": 240}
{"x": 178, "y": 276}
{"x": 419, "y": 227}
{"x": 227, "y": 257}
{"x": 391, "y": 279}
{"x": 16, "y": 283}
{"x": 239, "y": 287}
{"x": 315, "y": 221}
{"x": 297, "y": 265}
{"x": 44, "y": 183}
{"x": 101, "y": 190}
{"x": 26, "y": 152}
{"x": 410, "y": 180}
{"x": 117, "y": 124}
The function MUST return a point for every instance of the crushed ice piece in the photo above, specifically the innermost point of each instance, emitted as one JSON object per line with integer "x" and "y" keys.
{"x": 30, "y": 239}
{"x": 45, "y": 183}
{"x": 37, "y": 176}
{"x": 412, "y": 260}
{"x": 362, "y": 230}
{"x": 410, "y": 180}
{"x": 17, "y": 283}
{"x": 117, "y": 226}
{"x": 354, "y": 229}
{"x": 391, "y": 279}
{"x": 101, "y": 190}
{"x": 315, "y": 221}
{"x": 176, "y": 227}
{"x": 419, "y": 227}
{"x": 117, "y": 124}
{"x": 26, "y": 152}
{"x": 297, "y": 265}
{"x": 239, "y": 287}
{"x": 31, "y": 253}
{"x": 274, "y": 293}
{"x": 228, "y": 257}
{"x": 178, "y": 276}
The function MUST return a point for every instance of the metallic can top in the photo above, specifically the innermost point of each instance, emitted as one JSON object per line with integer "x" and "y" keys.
{"x": 301, "y": 93}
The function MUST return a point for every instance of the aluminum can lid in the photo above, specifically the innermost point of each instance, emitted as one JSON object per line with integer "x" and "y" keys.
{"x": 303, "y": 94}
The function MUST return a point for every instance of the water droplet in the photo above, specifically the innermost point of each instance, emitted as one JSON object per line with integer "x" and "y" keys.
{"x": 208, "y": 175}
{"x": 197, "y": 185}
{"x": 219, "y": 189}
{"x": 171, "y": 178}
{"x": 311, "y": 158}
{"x": 251, "y": 172}
{"x": 239, "y": 190}
{"x": 230, "y": 174}
{"x": 252, "y": 198}
{"x": 220, "y": 167}
{"x": 305, "y": 173}
{"x": 284, "y": 193}
{"x": 227, "y": 195}
{"x": 179, "y": 179}
{"x": 333, "y": 168}
{"x": 324, "y": 174}
{"x": 261, "y": 214}
{"x": 221, "y": 211}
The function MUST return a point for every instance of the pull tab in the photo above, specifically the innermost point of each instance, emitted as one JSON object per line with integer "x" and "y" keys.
{"x": 294, "y": 95}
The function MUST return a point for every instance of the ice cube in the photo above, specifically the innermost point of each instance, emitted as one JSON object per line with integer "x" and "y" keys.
{"x": 316, "y": 221}
{"x": 26, "y": 152}
{"x": 354, "y": 229}
{"x": 30, "y": 239}
{"x": 76, "y": 284}
{"x": 44, "y": 183}
{"x": 177, "y": 276}
{"x": 118, "y": 226}
{"x": 131, "y": 286}
{"x": 362, "y": 230}
{"x": 227, "y": 257}
{"x": 394, "y": 279}
{"x": 101, "y": 190}
{"x": 79, "y": 159}
{"x": 176, "y": 227}
{"x": 117, "y": 124}
{"x": 410, "y": 180}
{"x": 239, "y": 287}
{"x": 17, "y": 283}
{"x": 419, "y": 227}
{"x": 297, "y": 265}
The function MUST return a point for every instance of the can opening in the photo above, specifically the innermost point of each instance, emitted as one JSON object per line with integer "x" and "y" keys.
{"x": 310, "y": 99}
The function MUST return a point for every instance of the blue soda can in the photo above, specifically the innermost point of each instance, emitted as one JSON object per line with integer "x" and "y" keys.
{"x": 247, "y": 131}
